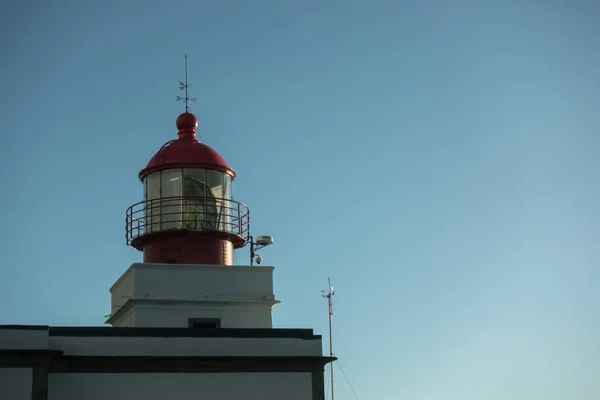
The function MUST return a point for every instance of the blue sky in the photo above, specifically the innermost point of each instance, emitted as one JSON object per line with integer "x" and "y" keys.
{"x": 439, "y": 160}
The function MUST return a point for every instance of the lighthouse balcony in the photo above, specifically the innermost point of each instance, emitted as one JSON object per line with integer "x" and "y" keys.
{"x": 208, "y": 215}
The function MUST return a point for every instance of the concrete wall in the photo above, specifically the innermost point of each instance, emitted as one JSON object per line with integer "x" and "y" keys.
{"x": 195, "y": 282}
{"x": 125, "y": 319}
{"x": 185, "y": 346}
{"x": 176, "y": 314}
{"x": 168, "y": 386}
{"x": 166, "y": 295}
{"x": 123, "y": 289}
{"x": 15, "y": 383}
{"x": 128, "y": 320}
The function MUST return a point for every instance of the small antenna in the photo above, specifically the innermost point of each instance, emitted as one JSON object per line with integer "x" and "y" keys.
{"x": 328, "y": 295}
{"x": 185, "y": 86}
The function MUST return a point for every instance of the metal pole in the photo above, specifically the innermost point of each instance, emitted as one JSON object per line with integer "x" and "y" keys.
{"x": 187, "y": 109}
{"x": 329, "y": 296}
{"x": 251, "y": 251}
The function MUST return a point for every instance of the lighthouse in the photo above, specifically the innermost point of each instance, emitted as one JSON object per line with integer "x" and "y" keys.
{"x": 187, "y": 227}
{"x": 187, "y": 215}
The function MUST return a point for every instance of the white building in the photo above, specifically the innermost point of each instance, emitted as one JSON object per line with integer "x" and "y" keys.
{"x": 186, "y": 323}
{"x": 89, "y": 363}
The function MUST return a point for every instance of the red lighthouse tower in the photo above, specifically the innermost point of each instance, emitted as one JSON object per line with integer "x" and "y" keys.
{"x": 187, "y": 215}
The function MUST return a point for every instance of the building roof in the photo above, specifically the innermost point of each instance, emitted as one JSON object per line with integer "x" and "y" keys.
{"x": 96, "y": 331}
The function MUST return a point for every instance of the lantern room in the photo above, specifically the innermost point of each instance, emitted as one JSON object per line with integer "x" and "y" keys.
{"x": 187, "y": 215}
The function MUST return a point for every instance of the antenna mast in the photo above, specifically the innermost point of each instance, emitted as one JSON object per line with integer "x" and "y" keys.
{"x": 328, "y": 295}
{"x": 185, "y": 86}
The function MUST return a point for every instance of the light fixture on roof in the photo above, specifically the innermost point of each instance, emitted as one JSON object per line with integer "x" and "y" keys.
{"x": 261, "y": 241}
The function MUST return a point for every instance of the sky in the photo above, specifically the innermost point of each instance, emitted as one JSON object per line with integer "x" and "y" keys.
{"x": 437, "y": 159}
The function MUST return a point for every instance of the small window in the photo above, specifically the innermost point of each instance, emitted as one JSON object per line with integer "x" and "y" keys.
{"x": 204, "y": 323}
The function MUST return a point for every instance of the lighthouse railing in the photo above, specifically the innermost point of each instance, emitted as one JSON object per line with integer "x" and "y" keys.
{"x": 190, "y": 213}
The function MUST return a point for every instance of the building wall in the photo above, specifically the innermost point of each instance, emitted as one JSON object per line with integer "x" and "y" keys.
{"x": 195, "y": 282}
{"x": 128, "y": 320}
{"x": 123, "y": 289}
{"x": 125, "y": 319}
{"x": 159, "y": 363}
{"x": 15, "y": 383}
{"x": 168, "y": 386}
{"x": 176, "y": 314}
{"x": 166, "y": 295}
{"x": 184, "y": 346}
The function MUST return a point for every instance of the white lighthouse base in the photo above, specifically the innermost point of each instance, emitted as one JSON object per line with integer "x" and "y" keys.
{"x": 179, "y": 295}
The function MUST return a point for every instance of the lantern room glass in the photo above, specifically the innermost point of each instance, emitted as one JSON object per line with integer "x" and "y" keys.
{"x": 198, "y": 212}
{"x": 226, "y": 211}
{"x": 170, "y": 194}
{"x": 152, "y": 195}
{"x": 188, "y": 198}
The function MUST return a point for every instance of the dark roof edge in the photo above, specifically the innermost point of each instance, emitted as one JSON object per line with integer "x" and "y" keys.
{"x": 305, "y": 334}
{"x": 26, "y": 327}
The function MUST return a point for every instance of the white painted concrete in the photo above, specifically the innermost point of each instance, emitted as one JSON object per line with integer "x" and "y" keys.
{"x": 31, "y": 339}
{"x": 168, "y": 386}
{"x": 185, "y": 346}
{"x": 15, "y": 383}
{"x": 166, "y": 295}
{"x": 195, "y": 281}
{"x": 126, "y": 319}
{"x": 122, "y": 290}
{"x": 176, "y": 314}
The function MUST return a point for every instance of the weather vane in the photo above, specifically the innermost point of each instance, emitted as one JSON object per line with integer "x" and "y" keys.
{"x": 185, "y": 86}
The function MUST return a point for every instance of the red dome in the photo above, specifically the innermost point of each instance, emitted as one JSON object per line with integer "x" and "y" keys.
{"x": 186, "y": 151}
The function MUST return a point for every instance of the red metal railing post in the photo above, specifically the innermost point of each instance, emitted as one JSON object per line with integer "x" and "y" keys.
{"x": 160, "y": 213}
